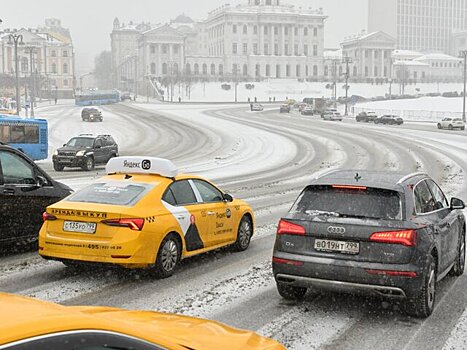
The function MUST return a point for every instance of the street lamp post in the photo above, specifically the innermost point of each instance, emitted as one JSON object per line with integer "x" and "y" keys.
{"x": 16, "y": 39}
{"x": 463, "y": 55}
{"x": 346, "y": 60}
{"x": 31, "y": 50}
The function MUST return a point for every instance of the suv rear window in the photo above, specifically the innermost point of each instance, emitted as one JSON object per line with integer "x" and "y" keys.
{"x": 113, "y": 192}
{"x": 371, "y": 203}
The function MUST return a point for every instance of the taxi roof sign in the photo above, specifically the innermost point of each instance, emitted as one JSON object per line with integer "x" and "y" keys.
{"x": 141, "y": 165}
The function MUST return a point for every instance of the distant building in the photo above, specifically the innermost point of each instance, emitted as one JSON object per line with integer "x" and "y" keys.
{"x": 418, "y": 25}
{"x": 255, "y": 40}
{"x": 52, "y": 58}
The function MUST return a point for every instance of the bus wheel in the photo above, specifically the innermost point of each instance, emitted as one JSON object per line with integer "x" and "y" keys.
{"x": 58, "y": 166}
{"x": 89, "y": 165}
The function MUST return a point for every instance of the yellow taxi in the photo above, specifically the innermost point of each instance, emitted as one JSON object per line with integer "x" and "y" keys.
{"x": 32, "y": 324}
{"x": 143, "y": 213}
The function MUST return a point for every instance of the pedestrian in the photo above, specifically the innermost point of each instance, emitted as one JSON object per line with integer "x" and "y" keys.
{"x": 251, "y": 106}
{"x": 248, "y": 100}
{"x": 274, "y": 98}
{"x": 55, "y": 100}
{"x": 256, "y": 99}
{"x": 179, "y": 99}
{"x": 269, "y": 99}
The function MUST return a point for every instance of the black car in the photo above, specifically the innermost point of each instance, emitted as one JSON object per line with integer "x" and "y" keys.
{"x": 386, "y": 233}
{"x": 25, "y": 191}
{"x": 284, "y": 108}
{"x": 366, "y": 117}
{"x": 91, "y": 114}
{"x": 85, "y": 151}
{"x": 389, "y": 119}
{"x": 125, "y": 96}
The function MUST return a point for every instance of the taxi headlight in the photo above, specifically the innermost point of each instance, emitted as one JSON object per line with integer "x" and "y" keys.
{"x": 80, "y": 153}
{"x": 56, "y": 153}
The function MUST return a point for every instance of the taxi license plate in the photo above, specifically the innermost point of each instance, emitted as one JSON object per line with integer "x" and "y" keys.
{"x": 337, "y": 246}
{"x": 77, "y": 226}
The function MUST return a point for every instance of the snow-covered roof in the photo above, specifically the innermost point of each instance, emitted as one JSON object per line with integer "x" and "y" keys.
{"x": 412, "y": 63}
{"x": 406, "y": 54}
{"x": 284, "y": 9}
{"x": 332, "y": 53}
{"x": 437, "y": 57}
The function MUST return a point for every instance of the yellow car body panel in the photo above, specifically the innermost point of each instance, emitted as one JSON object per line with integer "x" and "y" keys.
{"x": 24, "y": 318}
{"x": 133, "y": 248}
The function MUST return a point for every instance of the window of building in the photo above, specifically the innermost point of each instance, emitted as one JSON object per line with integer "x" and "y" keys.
{"x": 276, "y": 49}
{"x": 354, "y": 71}
{"x": 24, "y": 64}
{"x": 366, "y": 71}
{"x": 305, "y": 31}
{"x": 196, "y": 68}
{"x": 153, "y": 48}
{"x": 65, "y": 68}
{"x": 65, "y": 82}
{"x": 315, "y": 31}
{"x": 257, "y": 70}
{"x": 286, "y": 49}
{"x": 234, "y": 48}
{"x": 65, "y": 53}
{"x": 376, "y": 54}
{"x": 188, "y": 69}
{"x": 286, "y": 30}
{"x": 296, "y": 31}
{"x": 234, "y": 69}
{"x": 297, "y": 71}
{"x": 278, "y": 71}
{"x": 164, "y": 49}
{"x": 268, "y": 70}
{"x": 375, "y": 71}
{"x": 287, "y": 70}
{"x": 54, "y": 68}
{"x": 164, "y": 68}
{"x": 296, "y": 49}
{"x": 175, "y": 49}
{"x": 53, "y": 53}
{"x": 306, "y": 71}
{"x": 367, "y": 54}
{"x": 245, "y": 48}
{"x": 221, "y": 69}
{"x": 213, "y": 69}
{"x": 234, "y": 29}
{"x": 305, "y": 50}
{"x": 255, "y": 48}
{"x": 326, "y": 71}
{"x": 315, "y": 50}
{"x": 245, "y": 70}
{"x": 153, "y": 68}
{"x": 276, "y": 30}
{"x": 265, "y": 29}
{"x": 266, "y": 49}
{"x": 245, "y": 29}
{"x": 205, "y": 69}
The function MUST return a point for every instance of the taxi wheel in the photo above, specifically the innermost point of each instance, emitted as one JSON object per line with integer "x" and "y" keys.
{"x": 168, "y": 256}
{"x": 244, "y": 233}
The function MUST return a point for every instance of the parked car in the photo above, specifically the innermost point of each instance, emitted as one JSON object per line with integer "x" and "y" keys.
{"x": 25, "y": 191}
{"x": 389, "y": 119}
{"x": 308, "y": 110}
{"x": 91, "y": 114}
{"x": 333, "y": 116}
{"x": 451, "y": 123}
{"x": 328, "y": 111}
{"x": 284, "y": 108}
{"x": 385, "y": 233}
{"x": 257, "y": 107}
{"x": 125, "y": 96}
{"x": 85, "y": 151}
{"x": 366, "y": 117}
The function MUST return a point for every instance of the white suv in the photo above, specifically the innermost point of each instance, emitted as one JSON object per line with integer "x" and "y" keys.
{"x": 451, "y": 123}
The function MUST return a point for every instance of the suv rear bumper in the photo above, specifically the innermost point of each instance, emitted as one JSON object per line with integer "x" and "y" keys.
{"x": 348, "y": 275}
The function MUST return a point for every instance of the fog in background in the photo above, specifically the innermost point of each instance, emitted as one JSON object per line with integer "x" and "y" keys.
{"x": 90, "y": 22}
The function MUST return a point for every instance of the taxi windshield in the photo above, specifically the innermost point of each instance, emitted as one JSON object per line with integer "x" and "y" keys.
{"x": 80, "y": 142}
{"x": 113, "y": 193}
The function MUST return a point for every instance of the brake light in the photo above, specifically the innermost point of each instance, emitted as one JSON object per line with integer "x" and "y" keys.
{"x": 392, "y": 273}
{"x": 286, "y": 261}
{"x": 404, "y": 237}
{"x": 288, "y": 228}
{"x": 46, "y": 216}
{"x": 135, "y": 224}
{"x": 349, "y": 187}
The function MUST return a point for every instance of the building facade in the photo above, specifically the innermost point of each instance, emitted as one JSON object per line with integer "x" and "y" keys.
{"x": 48, "y": 52}
{"x": 256, "y": 40}
{"x": 421, "y": 25}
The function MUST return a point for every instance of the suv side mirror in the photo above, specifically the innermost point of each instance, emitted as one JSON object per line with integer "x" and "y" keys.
{"x": 228, "y": 197}
{"x": 457, "y": 203}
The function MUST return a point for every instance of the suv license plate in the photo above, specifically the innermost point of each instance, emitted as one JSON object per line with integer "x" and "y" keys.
{"x": 77, "y": 226}
{"x": 337, "y": 246}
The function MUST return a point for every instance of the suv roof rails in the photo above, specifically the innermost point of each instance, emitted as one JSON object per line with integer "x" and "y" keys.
{"x": 86, "y": 134}
{"x": 406, "y": 177}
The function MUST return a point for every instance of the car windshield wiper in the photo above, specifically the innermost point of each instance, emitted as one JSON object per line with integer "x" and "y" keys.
{"x": 321, "y": 212}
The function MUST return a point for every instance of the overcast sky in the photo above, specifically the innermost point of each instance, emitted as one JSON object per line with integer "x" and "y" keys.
{"x": 90, "y": 21}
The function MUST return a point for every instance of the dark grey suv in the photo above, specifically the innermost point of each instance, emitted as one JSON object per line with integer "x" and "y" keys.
{"x": 85, "y": 151}
{"x": 391, "y": 234}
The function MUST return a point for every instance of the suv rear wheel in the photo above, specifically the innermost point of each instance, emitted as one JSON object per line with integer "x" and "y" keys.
{"x": 290, "y": 292}
{"x": 422, "y": 304}
{"x": 89, "y": 164}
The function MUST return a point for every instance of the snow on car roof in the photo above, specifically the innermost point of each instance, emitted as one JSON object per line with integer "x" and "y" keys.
{"x": 141, "y": 165}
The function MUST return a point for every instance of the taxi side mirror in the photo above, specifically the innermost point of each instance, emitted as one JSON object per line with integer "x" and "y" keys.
{"x": 228, "y": 197}
{"x": 457, "y": 203}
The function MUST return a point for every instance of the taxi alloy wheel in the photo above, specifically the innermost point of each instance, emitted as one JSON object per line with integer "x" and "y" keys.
{"x": 167, "y": 257}
{"x": 245, "y": 231}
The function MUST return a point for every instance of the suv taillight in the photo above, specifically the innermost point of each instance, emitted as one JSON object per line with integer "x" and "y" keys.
{"x": 288, "y": 228}
{"x": 404, "y": 237}
{"x": 135, "y": 224}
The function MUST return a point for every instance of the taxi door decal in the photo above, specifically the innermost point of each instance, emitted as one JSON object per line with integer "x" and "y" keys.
{"x": 187, "y": 224}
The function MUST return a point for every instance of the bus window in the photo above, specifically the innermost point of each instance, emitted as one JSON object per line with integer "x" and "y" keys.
{"x": 17, "y": 134}
{"x": 31, "y": 134}
{"x": 5, "y": 133}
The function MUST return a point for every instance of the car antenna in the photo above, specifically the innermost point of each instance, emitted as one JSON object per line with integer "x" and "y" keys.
{"x": 357, "y": 177}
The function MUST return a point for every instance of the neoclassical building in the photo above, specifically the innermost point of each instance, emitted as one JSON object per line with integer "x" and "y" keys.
{"x": 49, "y": 50}
{"x": 255, "y": 40}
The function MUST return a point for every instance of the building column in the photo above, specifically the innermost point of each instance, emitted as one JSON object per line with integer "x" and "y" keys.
{"x": 159, "y": 63}
{"x": 261, "y": 39}
{"x": 282, "y": 41}
{"x": 272, "y": 39}
{"x": 382, "y": 64}
{"x": 292, "y": 28}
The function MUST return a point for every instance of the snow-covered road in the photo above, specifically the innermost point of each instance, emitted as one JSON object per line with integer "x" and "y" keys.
{"x": 265, "y": 158}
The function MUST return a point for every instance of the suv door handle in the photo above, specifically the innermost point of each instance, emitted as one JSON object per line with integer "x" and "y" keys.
{"x": 9, "y": 191}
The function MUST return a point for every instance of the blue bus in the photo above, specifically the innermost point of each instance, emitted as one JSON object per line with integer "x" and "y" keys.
{"x": 27, "y": 135}
{"x": 98, "y": 97}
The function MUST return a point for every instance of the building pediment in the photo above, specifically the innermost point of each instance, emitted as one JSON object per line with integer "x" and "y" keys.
{"x": 379, "y": 37}
{"x": 28, "y": 37}
{"x": 164, "y": 32}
